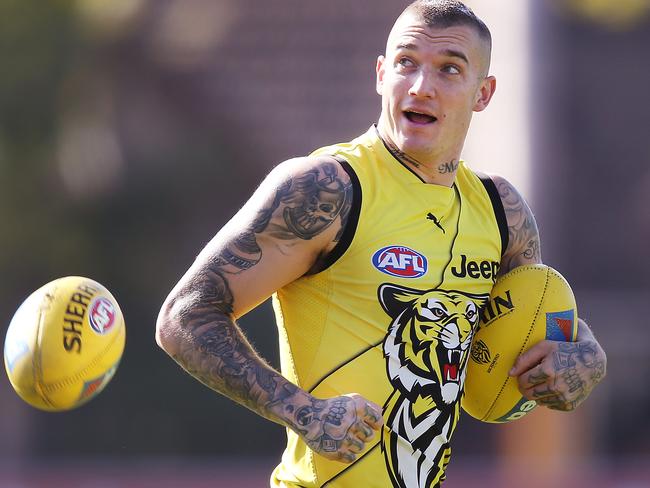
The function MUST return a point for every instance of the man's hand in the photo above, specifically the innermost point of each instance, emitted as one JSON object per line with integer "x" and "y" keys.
{"x": 338, "y": 428}
{"x": 560, "y": 375}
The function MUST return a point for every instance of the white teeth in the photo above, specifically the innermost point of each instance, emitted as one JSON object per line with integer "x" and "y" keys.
{"x": 449, "y": 353}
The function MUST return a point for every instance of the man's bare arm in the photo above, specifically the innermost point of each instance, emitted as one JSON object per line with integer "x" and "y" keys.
{"x": 293, "y": 219}
{"x": 558, "y": 375}
{"x": 523, "y": 235}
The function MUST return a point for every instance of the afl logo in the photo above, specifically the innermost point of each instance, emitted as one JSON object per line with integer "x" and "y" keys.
{"x": 400, "y": 261}
{"x": 102, "y": 315}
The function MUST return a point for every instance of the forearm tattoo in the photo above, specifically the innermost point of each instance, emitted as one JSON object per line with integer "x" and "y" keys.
{"x": 523, "y": 245}
{"x": 215, "y": 351}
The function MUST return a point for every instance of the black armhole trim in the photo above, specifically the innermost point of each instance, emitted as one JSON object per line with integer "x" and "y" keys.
{"x": 497, "y": 205}
{"x": 353, "y": 217}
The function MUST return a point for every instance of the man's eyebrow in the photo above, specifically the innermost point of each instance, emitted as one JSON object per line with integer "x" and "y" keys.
{"x": 407, "y": 45}
{"x": 456, "y": 54}
{"x": 452, "y": 53}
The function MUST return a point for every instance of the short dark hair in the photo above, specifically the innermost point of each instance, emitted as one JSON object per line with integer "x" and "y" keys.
{"x": 446, "y": 13}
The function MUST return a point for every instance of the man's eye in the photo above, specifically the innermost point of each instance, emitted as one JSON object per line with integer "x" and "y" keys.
{"x": 405, "y": 62}
{"x": 451, "y": 69}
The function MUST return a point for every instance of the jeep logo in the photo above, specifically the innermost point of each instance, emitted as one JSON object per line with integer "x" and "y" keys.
{"x": 484, "y": 269}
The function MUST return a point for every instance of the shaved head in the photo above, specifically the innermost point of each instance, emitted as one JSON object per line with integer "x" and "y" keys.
{"x": 446, "y": 13}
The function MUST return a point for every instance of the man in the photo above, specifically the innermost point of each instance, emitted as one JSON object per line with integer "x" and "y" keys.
{"x": 363, "y": 246}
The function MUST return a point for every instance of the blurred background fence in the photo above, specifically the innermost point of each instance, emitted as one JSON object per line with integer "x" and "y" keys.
{"x": 131, "y": 130}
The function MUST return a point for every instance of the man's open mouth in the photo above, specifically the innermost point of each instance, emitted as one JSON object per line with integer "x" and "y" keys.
{"x": 419, "y": 117}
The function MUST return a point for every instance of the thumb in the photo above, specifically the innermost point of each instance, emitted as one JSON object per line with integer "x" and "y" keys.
{"x": 532, "y": 357}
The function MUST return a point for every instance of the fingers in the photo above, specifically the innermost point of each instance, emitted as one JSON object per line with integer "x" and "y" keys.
{"x": 531, "y": 357}
{"x": 545, "y": 390}
{"x": 350, "y": 448}
{"x": 369, "y": 419}
{"x": 355, "y": 444}
{"x": 539, "y": 375}
{"x": 364, "y": 431}
{"x": 372, "y": 415}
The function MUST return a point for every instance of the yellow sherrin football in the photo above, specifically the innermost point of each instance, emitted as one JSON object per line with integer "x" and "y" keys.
{"x": 64, "y": 343}
{"x": 527, "y": 305}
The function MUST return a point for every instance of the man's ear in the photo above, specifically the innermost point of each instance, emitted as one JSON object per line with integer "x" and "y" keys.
{"x": 380, "y": 70}
{"x": 485, "y": 93}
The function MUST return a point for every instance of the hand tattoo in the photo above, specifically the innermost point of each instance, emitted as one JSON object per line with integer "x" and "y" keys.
{"x": 574, "y": 362}
{"x": 321, "y": 423}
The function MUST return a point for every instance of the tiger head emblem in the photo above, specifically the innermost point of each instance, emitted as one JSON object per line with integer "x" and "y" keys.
{"x": 428, "y": 343}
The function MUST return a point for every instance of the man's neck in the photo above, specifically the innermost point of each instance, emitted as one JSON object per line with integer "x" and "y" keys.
{"x": 437, "y": 173}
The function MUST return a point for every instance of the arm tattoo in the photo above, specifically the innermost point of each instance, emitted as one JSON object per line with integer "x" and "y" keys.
{"x": 219, "y": 355}
{"x": 308, "y": 203}
{"x": 313, "y": 203}
{"x": 523, "y": 246}
{"x": 215, "y": 350}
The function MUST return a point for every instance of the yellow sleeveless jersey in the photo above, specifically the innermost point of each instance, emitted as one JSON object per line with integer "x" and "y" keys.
{"x": 392, "y": 316}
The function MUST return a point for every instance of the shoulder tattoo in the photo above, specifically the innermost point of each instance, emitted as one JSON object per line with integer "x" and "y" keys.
{"x": 302, "y": 207}
{"x": 524, "y": 243}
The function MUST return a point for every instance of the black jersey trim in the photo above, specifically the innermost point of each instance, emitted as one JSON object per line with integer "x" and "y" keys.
{"x": 497, "y": 206}
{"x": 352, "y": 220}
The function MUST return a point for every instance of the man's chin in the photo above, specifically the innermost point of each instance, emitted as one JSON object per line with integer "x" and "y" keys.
{"x": 417, "y": 141}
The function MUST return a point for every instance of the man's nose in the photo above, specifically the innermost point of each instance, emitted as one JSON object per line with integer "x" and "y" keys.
{"x": 423, "y": 85}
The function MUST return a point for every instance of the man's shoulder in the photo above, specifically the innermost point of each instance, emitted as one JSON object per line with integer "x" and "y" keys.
{"x": 507, "y": 191}
{"x": 523, "y": 243}
{"x": 366, "y": 140}
{"x": 326, "y": 166}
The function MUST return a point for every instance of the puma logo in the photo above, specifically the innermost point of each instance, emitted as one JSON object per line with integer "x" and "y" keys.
{"x": 435, "y": 220}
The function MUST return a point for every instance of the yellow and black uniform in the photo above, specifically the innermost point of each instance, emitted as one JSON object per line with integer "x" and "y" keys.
{"x": 391, "y": 317}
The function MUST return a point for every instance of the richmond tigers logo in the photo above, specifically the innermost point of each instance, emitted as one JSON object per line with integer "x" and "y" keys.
{"x": 481, "y": 353}
{"x": 426, "y": 351}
